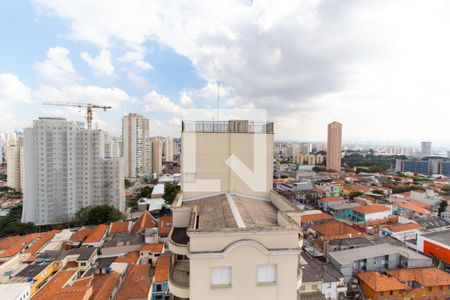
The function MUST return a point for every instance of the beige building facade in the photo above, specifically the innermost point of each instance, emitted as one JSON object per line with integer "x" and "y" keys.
{"x": 14, "y": 160}
{"x": 243, "y": 240}
{"x": 334, "y": 146}
{"x": 135, "y": 133}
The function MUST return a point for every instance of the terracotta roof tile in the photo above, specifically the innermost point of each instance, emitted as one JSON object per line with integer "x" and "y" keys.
{"x": 334, "y": 229}
{"x": 136, "y": 284}
{"x": 414, "y": 208}
{"x": 13, "y": 245}
{"x": 97, "y": 234}
{"x": 427, "y": 277}
{"x": 331, "y": 199}
{"x": 381, "y": 283}
{"x": 162, "y": 268}
{"x": 146, "y": 220}
{"x": 315, "y": 217}
{"x": 417, "y": 203}
{"x": 403, "y": 227}
{"x": 129, "y": 258}
{"x": 154, "y": 248}
{"x": 165, "y": 224}
{"x": 49, "y": 290}
{"x": 81, "y": 234}
{"x": 104, "y": 285}
{"x": 118, "y": 227}
{"x": 370, "y": 209}
{"x": 44, "y": 238}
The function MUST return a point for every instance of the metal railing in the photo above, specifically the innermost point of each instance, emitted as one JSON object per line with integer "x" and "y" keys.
{"x": 238, "y": 126}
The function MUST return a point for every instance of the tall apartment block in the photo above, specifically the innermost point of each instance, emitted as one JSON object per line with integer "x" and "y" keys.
{"x": 135, "y": 133}
{"x": 425, "y": 149}
{"x": 113, "y": 146}
{"x": 65, "y": 170}
{"x": 232, "y": 242}
{"x": 14, "y": 160}
{"x": 156, "y": 158}
{"x": 168, "y": 149}
{"x": 334, "y": 146}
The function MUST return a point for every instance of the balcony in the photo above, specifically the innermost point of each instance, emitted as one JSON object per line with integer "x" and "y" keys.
{"x": 179, "y": 279}
{"x": 179, "y": 240}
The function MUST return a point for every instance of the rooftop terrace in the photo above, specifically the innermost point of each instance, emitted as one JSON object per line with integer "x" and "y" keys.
{"x": 235, "y": 126}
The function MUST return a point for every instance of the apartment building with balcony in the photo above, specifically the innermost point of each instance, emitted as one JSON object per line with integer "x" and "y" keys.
{"x": 65, "y": 169}
{"x": 233, "y": 242}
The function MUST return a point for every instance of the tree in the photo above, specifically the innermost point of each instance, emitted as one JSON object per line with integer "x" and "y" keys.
{"x": 127, "y": 183}
{"x": 379, "y": 192}
{"x": 94, "y": 215}
{"x": 146, "y": 191}
{"x": 11, "y": 225}
{"x": 442, "y": 206}
{"x": 170, "y": 192}
{"x": 355, "y": 194}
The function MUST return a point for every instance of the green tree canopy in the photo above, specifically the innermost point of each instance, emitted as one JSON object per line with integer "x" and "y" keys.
{"x": 94, "y": 215}
{"x": 11, "y": 225}
{"x": 170, "y": 192}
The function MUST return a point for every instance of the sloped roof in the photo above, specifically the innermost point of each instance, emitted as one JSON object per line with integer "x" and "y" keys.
{"x": 425, "y": 276}
{"x": 158, "y": 248}
{"x": 315, "y": 217}
{"x": 81, "y": 234}
{"x": 96, "y": 234}
{"x": 414, "y": 208}
{"x": 129, "y": 258}
{"x": 146, "y": 220}
{"x": 49, "y": 290}
{"x": 370, "y": 209}
{"x": 136, "y": 284}
{"x": 381, "y": 283}
{"x": 162, "y": 268}
{"x": 331, "y": 199}
{"x": 403, "y": 227}
{"x": 118, "y": 227}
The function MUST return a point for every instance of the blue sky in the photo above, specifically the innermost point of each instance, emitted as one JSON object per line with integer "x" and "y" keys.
{"x": 369, "y": 64}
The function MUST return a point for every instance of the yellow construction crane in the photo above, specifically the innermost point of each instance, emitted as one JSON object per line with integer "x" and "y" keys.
{"x": 89, "y": 107}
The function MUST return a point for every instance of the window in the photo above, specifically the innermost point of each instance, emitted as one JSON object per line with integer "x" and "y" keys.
{"x": 267, "y": 274}
{"x": 221, "y": 276}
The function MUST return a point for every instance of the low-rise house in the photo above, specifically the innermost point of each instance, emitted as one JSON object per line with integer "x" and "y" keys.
{"x": 50, "y": 290}
{"x": 410, "y": 209}
{"x": 317, "y": 217}
{"x": 416, "y": 283}
{"x": 121, "y": 243}
{"x": 129, "y": 258}
{"x": 84, "y": 257}
{"x": 136, "y": 284}
{"x": 347, "y": 243}
{"x": 96, "y": 237}
{"x": 164, "y": 226}
{"x": 401, "y": 232}
{"x": 160, "y": 285}
{"x": 324, "y": 203}
{"x": 119, "y": 227}
{"x": 149, "y": 253}
{"x": 379, "y": 257}
{"x": 368, "y": 213}
{"x": 79, "y": 236}
{"x": 342, "y": 211}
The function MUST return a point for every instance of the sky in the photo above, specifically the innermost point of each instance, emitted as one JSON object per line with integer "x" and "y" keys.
{"x": 381, "y": 68}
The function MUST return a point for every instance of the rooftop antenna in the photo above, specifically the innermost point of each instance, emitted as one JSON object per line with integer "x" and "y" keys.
{"x": 218, "y": 99}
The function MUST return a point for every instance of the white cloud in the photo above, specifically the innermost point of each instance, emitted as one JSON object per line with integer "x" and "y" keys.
{"x": 12, "y": 89}
{"x": 186, "y": 100}
{"x": 154, "y": 102}
{"x": 57, "y": 68}
{"x": 312, "y": 61}
{"x": 138, "y": 81}
{"x": 136, "y": 56}
{"x": 101, "y": 64}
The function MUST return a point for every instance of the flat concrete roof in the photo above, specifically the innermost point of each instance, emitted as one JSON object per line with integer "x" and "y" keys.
{"x": 442, "y": 237}
{"x": 346, "y": 257}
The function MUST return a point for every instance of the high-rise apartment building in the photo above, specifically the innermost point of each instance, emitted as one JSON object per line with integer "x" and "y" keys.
{"x": 425, "y": 149}
{"x": 334, "y": 146}
{"x": 14, "y": 158}
{"x": 135, "y": 133}
{"x": 65, "y": 170}
{"x": 156, "y": 158}
{"x": 113, "y": 146}
{"x": 168, "y": 149}
{"x": 239, "y": 240}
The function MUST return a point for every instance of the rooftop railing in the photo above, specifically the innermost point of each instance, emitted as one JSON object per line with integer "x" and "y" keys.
{"x": 235, "y": 126}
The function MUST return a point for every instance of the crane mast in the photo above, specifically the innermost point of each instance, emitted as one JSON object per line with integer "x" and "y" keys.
{"x": 88, "y": 106}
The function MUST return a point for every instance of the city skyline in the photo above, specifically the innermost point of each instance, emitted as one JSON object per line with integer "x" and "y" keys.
{"x": 159, "y": 70}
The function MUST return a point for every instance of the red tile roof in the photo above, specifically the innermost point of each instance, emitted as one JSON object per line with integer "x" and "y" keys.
{"x": 427, "y": 277}
{"x": 315, "y": 217}
{"x": 129, "y": 258}
{"x": 162, "y": 268}
{"x": 104, "y": 285}
{"x": 146, "y": 220}
{"x": 81, "y": 234}
{"x": 154, "y": 248}
{"x": 414, "y": 208}
{"x": 13, "y": 245}
{"x": 136, "y": 284}
{"x": 370, "y": 209}
{"x": 50, "y": 289}
{"x": 380, "y": 283}
{"x": 403, "y": 227}
{"x": 417, "y": 203}
{"x": 331, "y": 199}
{"x": 44, "y": 238}
{"x": 97, "y": 234}
{"x": 165, "y": 224}
{"x": 334, "y": 229}
{"x": 118, "y": 227}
